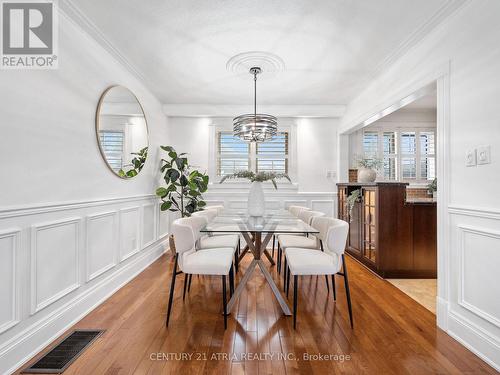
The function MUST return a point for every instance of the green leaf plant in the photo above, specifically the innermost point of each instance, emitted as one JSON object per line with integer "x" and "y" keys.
{"x": 257, "y": 177}
{"x": 184, "y": 185}
{"x": 351, "y": 200}
{"x": 137, "y": 163}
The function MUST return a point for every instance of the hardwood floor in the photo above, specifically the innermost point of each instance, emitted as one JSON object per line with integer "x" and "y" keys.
{"x": 392, "y": 333}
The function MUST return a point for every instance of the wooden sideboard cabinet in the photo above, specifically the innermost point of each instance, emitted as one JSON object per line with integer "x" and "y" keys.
{"x": 394, "y": 237}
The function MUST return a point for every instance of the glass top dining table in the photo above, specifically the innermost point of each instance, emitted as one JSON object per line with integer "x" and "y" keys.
{"x": 257, "y": 232}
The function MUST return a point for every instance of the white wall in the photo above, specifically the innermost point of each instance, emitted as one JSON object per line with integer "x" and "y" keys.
{"x": 464, "y": 54}
{"x": 316, "y": 154}
{"x": 71, "y": 232}
{"x": 315, "y": 149}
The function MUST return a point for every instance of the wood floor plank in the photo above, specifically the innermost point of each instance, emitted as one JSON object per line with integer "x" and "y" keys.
{"x": 392, "y": 335}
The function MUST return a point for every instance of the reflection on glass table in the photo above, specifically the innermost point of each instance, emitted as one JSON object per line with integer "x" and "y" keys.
{"x": 252, "y": 228}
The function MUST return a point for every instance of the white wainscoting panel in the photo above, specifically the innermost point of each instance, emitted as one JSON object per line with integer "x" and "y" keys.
{"x": 235, "y": 204}
{"x": 234, "y": 196}
{"x": 478, "y": 272}
{"x": 46, "y": 254}
{"x": 101, "y": 241}
{"x": 50, "y": 279}
{"x": 129, "y": 232}
{"x": 294, "y": 202}
{"x": 148, "y": 224}
{"x": 473, "y": 306}
{"x": 9, "y": 308}
{"x": 326, "y": 206}
{"x": 163, "y": 222}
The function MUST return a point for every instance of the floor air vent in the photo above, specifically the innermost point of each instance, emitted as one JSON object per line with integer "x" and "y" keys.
{"x": 62, "y": 355}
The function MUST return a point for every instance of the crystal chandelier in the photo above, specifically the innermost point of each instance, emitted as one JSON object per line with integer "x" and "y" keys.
{"x": 256, "y": 127}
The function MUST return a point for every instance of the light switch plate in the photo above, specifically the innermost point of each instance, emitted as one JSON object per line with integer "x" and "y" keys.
{"x": 483, "y": 155}
{"x": 470, "y": 158}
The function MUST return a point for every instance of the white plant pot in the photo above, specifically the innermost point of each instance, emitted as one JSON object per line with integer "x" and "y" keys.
{"x": 366, "y": 175}
{"x": 256, "y": 200}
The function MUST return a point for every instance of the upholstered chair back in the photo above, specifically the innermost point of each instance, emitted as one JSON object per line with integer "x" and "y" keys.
{"x": 336, "y": 237}
{"x": 209, "y": 214}
{"x": 294, "y": 210}
{"x": 306, "y": 216}
{"x": 218, "y": 208}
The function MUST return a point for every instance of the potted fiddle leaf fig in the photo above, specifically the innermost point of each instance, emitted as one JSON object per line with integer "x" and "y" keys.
{"x": 184, "y": 185}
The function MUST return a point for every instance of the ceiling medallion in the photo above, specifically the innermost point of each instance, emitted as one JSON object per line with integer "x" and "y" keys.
{"x": 269, "y": 63}
{"x": 256, "y": 127}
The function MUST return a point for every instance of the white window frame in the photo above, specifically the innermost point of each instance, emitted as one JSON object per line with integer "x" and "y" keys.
{"x": 418, "y": 154}
{"x": 225, "y": 125}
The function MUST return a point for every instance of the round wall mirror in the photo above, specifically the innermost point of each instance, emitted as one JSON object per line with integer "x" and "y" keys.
{"x": 122, "y": 131}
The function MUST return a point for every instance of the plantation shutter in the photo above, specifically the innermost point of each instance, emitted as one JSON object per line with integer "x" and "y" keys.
{"x": 112, "y": 147}
{"x": 272, "y": 156}
{"x": 233, "y": 154}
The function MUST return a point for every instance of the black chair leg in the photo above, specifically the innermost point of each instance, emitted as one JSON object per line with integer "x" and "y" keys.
{"x": 287, "y": 281}
{"x": 274, "y": 240}
{"x": 224, "y": 300}
{"x": 237, "y": 256}
{"x": 347, "y": 292}
{"x": 231, "y": 282}
{"x": 279, "y": 258}
{"x": 333, "y": 288}
{"x": 186, "y": 277}
{"x": 327, "y": 284}
{"x": 172, "y": 288}
{"x": 189, "y": 282}
{"x": 295, "y": 286}
{"x": 284, "y": 275}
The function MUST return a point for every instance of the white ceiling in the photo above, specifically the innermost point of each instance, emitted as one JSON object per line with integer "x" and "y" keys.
{"x": 331, "y": 48}
{"x": 427, "y": 102}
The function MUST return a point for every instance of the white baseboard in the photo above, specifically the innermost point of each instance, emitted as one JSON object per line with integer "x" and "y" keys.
{"x": 475, "y": 339}
{"x": 33, "y": 339}
{"x": 442, "y": 313}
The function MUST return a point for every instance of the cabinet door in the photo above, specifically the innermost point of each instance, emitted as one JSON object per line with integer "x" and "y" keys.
{"x": 369, "y": 206}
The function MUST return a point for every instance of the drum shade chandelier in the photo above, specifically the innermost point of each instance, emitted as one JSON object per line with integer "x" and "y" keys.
{"x": 256, "y": 127}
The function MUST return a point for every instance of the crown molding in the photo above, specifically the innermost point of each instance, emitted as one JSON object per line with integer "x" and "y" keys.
{"x": 232, "y": 110}
{"x": 442, "y": 14}
{"x": 73, "y": 13}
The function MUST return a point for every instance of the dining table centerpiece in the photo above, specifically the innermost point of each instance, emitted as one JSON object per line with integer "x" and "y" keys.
{"x": 256, "y": 198}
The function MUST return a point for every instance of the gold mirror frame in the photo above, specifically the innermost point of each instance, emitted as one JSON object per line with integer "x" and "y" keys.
{"x": 97, "y": 126}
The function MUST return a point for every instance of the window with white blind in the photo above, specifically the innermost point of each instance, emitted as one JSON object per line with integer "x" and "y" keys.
{"x": 234, "y": 154}
{"x": 390, "y": 156}
{"x": 112, "y": 147}
{"x": 427, "y": 155}
{"x": 272, "y": 156}
{"x": 408, "y": 155}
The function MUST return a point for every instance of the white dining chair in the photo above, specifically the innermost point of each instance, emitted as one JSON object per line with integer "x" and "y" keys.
{"x": 315, "y": 242}
{"x": 212, "y": 262}
{"x": 204, "y": 242}
{"x": 307, "y": 215}
{"x": 331, "y": 261}
{"x": 218, "y": 208}
{"x": 294, "y": 210}
{"x": 287, "y": 240}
